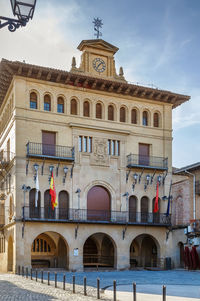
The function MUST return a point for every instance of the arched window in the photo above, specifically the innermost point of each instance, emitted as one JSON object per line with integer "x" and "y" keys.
{"x": 122, "y": 114}
{"x": 33, "y": 100}
{"x": 49, "y": 213}
{"x": 63, "y": 201}
{"x": 156, "y": 120}
{"x": 34, "y": 208}
{"x": 110, "y": 112}
{"x": 132, "y": 208}
{"x": 144, "y": 209}
{"x": 99, "y": 111}
{"x": 60, "y": 105}
{"x": 47, "y": 102}
{"x": 73, "y": 110}
{"x": 156, "y": 215}
{"x": 86, "y": 109}
{"x": 134, "y": 116}
{"x": 145, "y": 118}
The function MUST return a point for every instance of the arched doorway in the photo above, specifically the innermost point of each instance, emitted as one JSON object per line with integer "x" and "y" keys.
{"x": 132, "y": 208}
{"x": 156, "y": 215}
{"x": 49, "y": 250}
{"x": 10, "y": 254}
{"x": 49, "y": 213}
{"x": 144, "y": 251}
{"x": 99, "y": 251}
{"x": 98, "y": 204}
{"x": 144, "y": 209}
{"x": 34, "y": 212}
{"x": 63, "y": 202}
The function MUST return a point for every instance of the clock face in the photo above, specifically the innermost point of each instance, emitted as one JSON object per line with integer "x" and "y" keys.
{"x": 99, "y": 65}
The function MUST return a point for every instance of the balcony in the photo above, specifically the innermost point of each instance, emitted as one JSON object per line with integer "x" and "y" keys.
{"x": 94, "y": 216}
{"x": 149, "y": 162}
{"x": 51, "y": 151}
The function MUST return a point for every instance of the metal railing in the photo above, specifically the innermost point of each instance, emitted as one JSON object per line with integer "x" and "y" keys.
{"x": 94, "y": 216}
{"x": 5, "y": 158}
{"x": 147, "y": 161}
{"x": 98, "y": 260}
{"x": 49, "y": 151}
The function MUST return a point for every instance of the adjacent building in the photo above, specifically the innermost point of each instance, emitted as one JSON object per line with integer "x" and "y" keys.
{"x": 109, "y": 146}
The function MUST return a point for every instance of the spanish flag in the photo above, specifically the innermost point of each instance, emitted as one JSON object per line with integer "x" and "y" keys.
{"x": 54, "y": 202}
{"x": 156, "y": 208}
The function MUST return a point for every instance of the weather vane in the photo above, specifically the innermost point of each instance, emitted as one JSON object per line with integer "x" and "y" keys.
{"x": 97, "y": 24}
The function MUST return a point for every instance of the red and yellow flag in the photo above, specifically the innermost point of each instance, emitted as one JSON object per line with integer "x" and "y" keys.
{"x": 54, "y": 202}
{"x": 156, "y": 208}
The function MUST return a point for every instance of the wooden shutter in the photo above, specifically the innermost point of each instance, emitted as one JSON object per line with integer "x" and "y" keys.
{"x": 132, "y": 208}
{"x": 143, "y": 154}
{"x": 98, "y": 111}
{"x": 156, "y": 120}
{"x": 98, "y": 203}
{"x": 63, "y": 204}
{"x": 48, "y": 143}
{"x": 122, "y": 114}
{"x": 110, "y": 112}
{"x": 144, "y": 209}
{"x": 134, "y": 116}
{"x": 86, "y": 109}
{"x": 73, "y": 107}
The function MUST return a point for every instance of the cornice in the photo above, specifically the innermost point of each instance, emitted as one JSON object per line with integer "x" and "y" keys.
{"x": 8, "y": 69}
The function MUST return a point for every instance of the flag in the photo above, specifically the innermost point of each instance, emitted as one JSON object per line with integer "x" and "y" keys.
{"x": 169, "y": 200}
{"x": 155, "y": 209}
{"x": 37, "y": 188}
{"x": 52, "y": 192}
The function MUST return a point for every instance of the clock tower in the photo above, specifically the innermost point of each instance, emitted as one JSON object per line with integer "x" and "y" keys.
{"x": 97, "y": 60}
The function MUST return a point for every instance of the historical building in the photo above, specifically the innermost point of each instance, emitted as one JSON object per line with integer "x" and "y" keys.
{"x": 186, "y": 208}
{"x": 109, "y": 145}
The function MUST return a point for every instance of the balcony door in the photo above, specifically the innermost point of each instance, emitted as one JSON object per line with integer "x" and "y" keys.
{"x": 144, "y": 154}
{"x": 98, "y": 204}
{"x": 48, "y": 143}
{"x": 132, "y": 208}
{"x": 144, "y": 209}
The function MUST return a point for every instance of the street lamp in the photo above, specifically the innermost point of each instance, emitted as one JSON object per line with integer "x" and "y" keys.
{"x": 24, "y": 11}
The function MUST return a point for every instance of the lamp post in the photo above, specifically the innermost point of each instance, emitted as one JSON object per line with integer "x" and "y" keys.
{"x": 24, "y": 11}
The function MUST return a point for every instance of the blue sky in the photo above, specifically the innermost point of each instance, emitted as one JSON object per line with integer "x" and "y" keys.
{"x": 158, "y": 40}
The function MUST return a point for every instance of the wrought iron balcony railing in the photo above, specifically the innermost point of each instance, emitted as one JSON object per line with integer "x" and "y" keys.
{"x": 147, "y": 162}
{"x": 49, "y": 151}
{"x": 94, "y": 216}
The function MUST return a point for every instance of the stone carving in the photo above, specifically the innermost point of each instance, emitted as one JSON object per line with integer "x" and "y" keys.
{"x": 100, "y": 153}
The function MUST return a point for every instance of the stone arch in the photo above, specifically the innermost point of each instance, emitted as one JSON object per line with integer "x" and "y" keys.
{"x": 33, "y": 99}
{"x": 98, "y": 203}
{"x": 112, "y": 115}
{"x": 47, "y": 102}
{"x": 105, "y": 251}
{"x": 146, "y": 117}
{"x": 49, "y": 249}
{"x": 135, "y": 116}
{"x": 123, "y": 114}
{"x": 60, "y": 104}
{"x": 10, "y": 254}
{"x": 148, "y": 251}
{"x": 99, "y": 110}
{"x": 87, "y": 108}
{"x": 74, "y": 108}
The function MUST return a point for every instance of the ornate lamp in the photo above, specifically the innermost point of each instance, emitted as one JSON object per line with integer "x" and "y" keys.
{"x": 24, "y": 11}
{"x": 65, "y": 169}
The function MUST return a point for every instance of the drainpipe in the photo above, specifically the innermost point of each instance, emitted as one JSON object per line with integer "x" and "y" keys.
{"x": 194, "y": 193}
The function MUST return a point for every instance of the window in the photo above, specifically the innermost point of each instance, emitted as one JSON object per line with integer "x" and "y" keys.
{"x": 73, "y": 110}
{"x": 40, "y": 245}
{"x": 144, "y": 150}
{"x": 145, "y": 118}
{"x": 99, "y": 111}
{"x": 60, "y": 105}
{"x": 122, "y": 114}
{"x": 86, "y": 109}
{"x": 134, "y": 116}
{"x": 113, "y": 147}
{"x": 33, "y": 100}
{"x": 85, "y": 144}
{"x": 156, "y": 120}
{"x": 110, "y": 112}
{"x": 47, "y": 103}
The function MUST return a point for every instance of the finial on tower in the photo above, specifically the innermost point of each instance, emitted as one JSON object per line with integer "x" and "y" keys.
{"x": 97, "y": 24}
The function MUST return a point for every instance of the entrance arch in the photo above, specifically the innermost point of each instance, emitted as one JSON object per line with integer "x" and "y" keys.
{"x": 49, "y": 250}
{"x": 99, "y": 250}
{"x": 10, "y": 254}
{"x": 144, "y": 251}
{"x": 98, "y": 203}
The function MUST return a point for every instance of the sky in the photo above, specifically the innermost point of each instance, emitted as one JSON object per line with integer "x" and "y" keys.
{"x": 158, "y": 41}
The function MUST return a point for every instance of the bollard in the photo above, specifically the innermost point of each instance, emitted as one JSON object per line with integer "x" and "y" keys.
{"x": 98, "y": 287}
{"x": 42, "y": 276}
{"x": 22, "y": 271}
{"x": 64, "y": 282}
{"x": 164, "y": 293}
{"x": 48, "y": 276}
{"x": 134, "y": 291}
{"x": 73, "y": 280}
{"x": 31, "y": 274}
{"x": 36, "y": 275}
{"x": 26, "y": 272}
{"x": 114, "y": 290}
{"x": 55, "y": 279}
{"x": 19, "y": 270}
{"x": 84, "y": 283}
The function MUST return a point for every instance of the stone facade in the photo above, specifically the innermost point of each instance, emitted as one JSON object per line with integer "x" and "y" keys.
{"x": 94, "y": 147}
